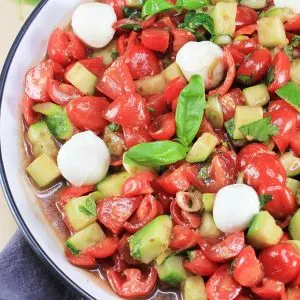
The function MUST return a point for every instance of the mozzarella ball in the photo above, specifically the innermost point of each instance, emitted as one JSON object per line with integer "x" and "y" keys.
{"x": 234, "y": 208}
{"x": 92, "y": 23}
{"x": 84, "y": 159}
{"x": 293, "y": 4}
{"x": 202, "y": 58}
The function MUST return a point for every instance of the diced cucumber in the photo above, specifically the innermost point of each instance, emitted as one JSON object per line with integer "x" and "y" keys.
{"x": 222, "y": 39}
{"x": 43, "y": 170}
{"x": 203, "y": 147}
{"x": 134, "y": 169}
{"x": 295, "y": 71}
{"x": 151, "y": 85}
{"x": 81, "y": 212}
{"x": 208, "y": 227}
{"x": 208, "y": 200}
{"x": 152, "y": 240}
{"x": 224, "y": 16}
{"x": 107, "y": 53}
{"x": 245, "y": 115}
{"x": 112, "y": 185}
{"x": 294, "y": 227}
{"x": 255, "y": 4}
{"x": 263, "y": 231}
{"x": 47, "y": 108}
{"x": 271, "y": 32}
{"x": 256, "y": 95}
{"x": 193, "y": 288}
{"x": 87, "y": 237}
{"x": 171, "y": 72}
{"x": 295, "y": 244}
{"x": 171, "y": 271}
{"x": 284, "y": 13}
{"x": 161, "y": 258}
{"x": 84, "y": 80}
{"x": 214, "y": 112}
{"x": 41, "y": 140}
{"x": 294, "y": 186}
{"x": 229, "y": 126}
{"x": 291, "y": 164}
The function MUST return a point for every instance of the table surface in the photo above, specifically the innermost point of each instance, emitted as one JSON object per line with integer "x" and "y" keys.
{"x": 11, "y": 19}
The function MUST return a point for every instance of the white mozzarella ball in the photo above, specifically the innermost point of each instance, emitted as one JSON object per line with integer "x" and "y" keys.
{"x": 92, "y": 23}
{"x": 234, "y": 208}
{"x": 202, "y": 58}
{"x": 84, "y": 159}
{"x": 293, "y": 4}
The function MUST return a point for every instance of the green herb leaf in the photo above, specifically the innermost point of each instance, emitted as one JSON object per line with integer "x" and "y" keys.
{"x": 290, "y": 93}
{"x": 296, "y": 41}
{"x": 113, "y": 127}
{"x": 131, "y": 26}
{"x": 154, "y": 154}
{"x": 204, "y": 172}
{"x": 229, "y": 126}
{"x": 244, "y": 79}
{"x": 190, "y": 109}
{"x": 260, "y": 130}
{"x": 72, "y": 248}
{"x": 194, "y": 21}
{"x": 192, "y": 4}
{"x": 264, "y": 199}
{"x": 270, "y": 76}
{"x": 114, "y": 54}
{"x": 288, "y": 50}
{"x": 152, "y": 7}
{"x": 89, "y": 208}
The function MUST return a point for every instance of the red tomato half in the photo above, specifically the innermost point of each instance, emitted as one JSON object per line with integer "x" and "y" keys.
{"x": 183, "y": 238}
{"x": 103, "y": 249}
{"x": 245, "y": 16}
{"x": 156, "y": 105}
{"x": 181, "y": 37}
{"x": 295, "y": 143}
{"x": 270, "y": 289}
{"x": 245, "y": 46}
{"x": 81, "y": 260}
{"x": 87, "y": 113}
{"x": 124, "y": 251}
{"x": 29, "y": 114}
{"x": 155, "y": 39}
{"x": 293, "y": 24}
{"x": 95, "y": 65}
{"x": 163, "y": 127}
{"x": 136, "y": 135}
{"x": 174, "y": 88}
{"x": 70, "y": 192}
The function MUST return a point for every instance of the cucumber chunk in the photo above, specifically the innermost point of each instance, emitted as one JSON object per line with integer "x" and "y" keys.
{"x": 263, "y": 231}
{"x": 40, "y": 138}
{"x": 43, "y": 170}
{"x": 203, "y": 147}
{"x": 134, "y": 169}
{"x": 256, "y": 95}
{"x": 107, "y": 53}
{"x": 193, "y": 288}
{"x": 295, "y": 71}
{"x": 84, "y": 80}
{"x": 153, "y": 239}
{"x": 81, "y": 212}
{"x": 171, "y": 72}
{"x": 294, "y": 186}
{"x": 208, "y": 200}
{"x": 171, "y": 271}
{"x": 87, "y": 237}
{"x": 291, "y": 164}
{"x": 255, "y": 4}
{"x": 151, "y": 85}
{"x": 295, "y": 244}
{"x": 208, "y": 227}
{"x": 214, "y": 112}
{"x": 222, "y": 40}
{"x": 284, "y": 13}
{"x": 294, "y": 227}
{"x": 161, "y": 258}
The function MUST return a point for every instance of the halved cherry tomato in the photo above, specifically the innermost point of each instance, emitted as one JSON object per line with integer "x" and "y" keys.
{"x": 162, "y": 196}
{"x": 114, "y": 212}
{"x": 128, "y": 110}
{"x": 245, "y": 16}
{"x": 221, "y": 285}
{"x": 293, "y": 24}
{"x": 156, "y": 105}
{"x": 136, "y": 135}
{"x": 181, "y": 37}
{"x": 119, "y": 263}
{"x": 246, "y": 30}
{"x": 29, "y": 114}
{"x": 255, "y": 67}
{"x": 132, "y": 283}
{"x": 281, "y": 262}
{"x": 229, "y": 102}
{"x": 295, "y": 143}
{"x": 62, "y": 93}
{"x": 174, "y": 88}
{"x": 163, "y": 127}
{"x": 149, "y": 209}
{"x": 139, "y": 184}
{"x": 87, "y": 113}
{"x": 165, "y": 23}
{"x": 80, "y": 260}
{"x": 206, "y": 127}
{"x": 155, "y": 39}
{"x": 183, "y": 238}
{"x": 103, "y": 249}
{"x": 116, "y": 80}
{"x": 247, "y": 270}
{"x": 70, "y": 192}
{"x": 199, "y": 264}
{"x": 124, "y": 250}
{"x": 95, "y": 65}
{"x": 237, "y": 56}
{"x": 245, "y": 46}
{"x": 270, "y": 289}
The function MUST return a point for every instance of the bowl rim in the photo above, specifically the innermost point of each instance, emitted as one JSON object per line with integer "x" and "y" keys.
{"x": 49, "y": 263}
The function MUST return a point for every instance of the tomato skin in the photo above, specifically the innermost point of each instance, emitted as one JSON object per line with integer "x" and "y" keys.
{"x": 221, "y": 285}
{"x": 246, "y": 30}
{"x": 95, "y": 65}
{"x": 281, "y": 262}
{"x": 87, "y": 113}
{"x": 155, "y": 39}
{"x": 132, "y": 283}
{"x": 293, "y": 24}
{"x": 283, "y": 202}
{"x": 124, "y": 251}
{"x": 128, "y": 110}
{"x": 245, "y": 46}
{"x": 136, "y": 135}
{"x": 114, "y": 212}
{"x": 174, "y": 88}
{"x": 163, "y": 127}
{"x": 81, "y": 260}
{"x": 247, "y": 269}
{"x": 183, "y": 238}
{"x": 103, "y": 249}
{"x": 29, "y": 114}
{"x": 295, "y": 143}
{"x": 237, "y": 56}
{"x": 270, "y": 289}
{"x": 200, "y": 264}
{"x": 165, "y": 23}
{"x": 162, "y": 196}
{"x": 181, "y": 37}
{"x": 245, "y": 16}
{"x": 255, "y": 67}
{"x": 157, "y": 105}
{"x": 70, "y": 192}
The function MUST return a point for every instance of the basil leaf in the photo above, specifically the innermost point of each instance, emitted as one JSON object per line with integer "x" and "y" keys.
{"x": 89, "y": 208}
{"x": 132, "y": 13}
{"x": 264, "y": 199}
{"x": 72, "y": 248}
{"x": 290, "y": 93}
{"x": 131, "y": 26}
{"x": 152, "y": 7}
{"x": 260, "y": 130}
{"x": 229, "y": 126}
{"x": 153, "y": 154}
{"x": 244, "y": 79}
{"x": 114, "y": 55}
{"x": 270, "y": 76}
{"x": 113, "y": 127}
{"x": 190, "y": 109}
{"x": 192, "y": 4}
{"x": 194, "y": 21}
{"x": 295, "y": 41}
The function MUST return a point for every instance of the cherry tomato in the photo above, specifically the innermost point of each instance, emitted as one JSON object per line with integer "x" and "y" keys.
{"x": 255, "y": 67}
{"x": 281, "y": 262}
{"x": 156, "y": 105}
{"x": 162, "y": 196}
{"x": 206, "y": 127}
{"x": 245, "y": 46}
{"x": 124, "y": 251}
{"x": 163, "y": 127}
{"x": 183, "y": 238}
{"x": 237, "y": 56}
{"x": 246, "y": 30}
{"x": 71, "y": 192}
{"x": 221, "y": 285}
{"x": 245, "y": 16}
{"x": 87, "y": 113}
{"x": 293, "y": 24}
{"x": 165, "y": 23}
{"x": 132, "y": 282}
{"x": 119, "y": 264}
{"x": 155, "y": 39}
{"x": 81, "y": 260}
{"x": 247, "y": 270}
{"x": 116, "y": 80}
{"x": 223, "y": 249}
{"x": 139, "y": 184}
{"x": 103, "y": 249}
{"x": 229, "y": 102}
{"x": 181, "y": 37}
{"x": 295, "y": 143}
{"x": 128, "y": 110}
{"x": 29, "y": 114}
{"x": 95, "y": 65}
{"x": 270, "y": 289}
{"x": 114, "y": 212}
{"x": 174, "y": 88}
{"x": 136, "y": 135}
{"x": 199, "y": 264}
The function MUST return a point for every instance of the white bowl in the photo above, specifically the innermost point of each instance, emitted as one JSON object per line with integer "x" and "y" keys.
{"x": 27, "y": 51}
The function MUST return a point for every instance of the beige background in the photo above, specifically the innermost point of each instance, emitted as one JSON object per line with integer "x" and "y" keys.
{"x": 11, "y": 20}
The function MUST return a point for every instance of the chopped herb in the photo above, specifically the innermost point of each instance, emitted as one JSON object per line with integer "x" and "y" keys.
{"x": 232, "y": 265}
{"x": 288, "y": 50}
{"x": 194, "y": 21}
{"x": 72, "y": 248}
{"x": 204, "y": 173}
{"x": 270, "y": 76}
{"x": 113, "y": 127}
{"x": 264, "y": 199}
{"x": 89, "y": 208}
{"x": 296, "y": 41}
{"x": 151, "y": 109}
{"x": 114, "y": 54}
{"x": 229, "y": 126}
{"x": 244, "y": 79}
